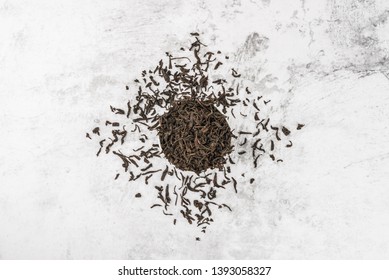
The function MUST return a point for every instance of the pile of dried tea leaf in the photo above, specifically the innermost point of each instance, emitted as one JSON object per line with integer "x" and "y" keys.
{"x": 178, "y": 101}
{"x": 194, "y": 135}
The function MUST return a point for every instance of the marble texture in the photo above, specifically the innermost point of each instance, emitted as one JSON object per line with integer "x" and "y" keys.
{"x": 324, "y": 63}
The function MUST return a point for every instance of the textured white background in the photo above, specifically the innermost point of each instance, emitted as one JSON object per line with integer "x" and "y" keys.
{"x": 325, "y": 63}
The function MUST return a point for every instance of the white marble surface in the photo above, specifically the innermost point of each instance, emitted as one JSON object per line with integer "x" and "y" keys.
{"x": 325, "y": 63}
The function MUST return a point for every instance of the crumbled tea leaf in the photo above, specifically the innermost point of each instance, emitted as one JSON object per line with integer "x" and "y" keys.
{"x": 285, "y": 131}
{"x": 235, "y": 74}
{"x": 96, "y": 130}
{"x": 218, "y": 65}
{"x": 289, "y": 145}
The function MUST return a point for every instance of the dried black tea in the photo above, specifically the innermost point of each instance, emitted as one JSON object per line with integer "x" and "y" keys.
{"x": 178, "y": 102}
{"x": 194, "y": 135}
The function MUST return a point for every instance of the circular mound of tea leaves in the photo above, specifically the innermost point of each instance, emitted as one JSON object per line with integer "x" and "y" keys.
{"x": 194, "y": 135}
